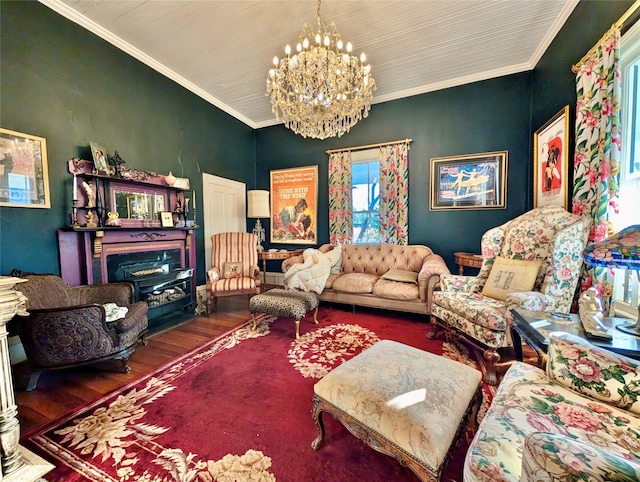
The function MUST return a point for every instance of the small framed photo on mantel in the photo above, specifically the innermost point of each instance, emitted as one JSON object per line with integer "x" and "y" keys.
{"x": 166, "y": 219}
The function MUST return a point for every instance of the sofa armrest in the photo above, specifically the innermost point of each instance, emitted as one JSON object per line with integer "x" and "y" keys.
{"x": 254, "y": 271}
{"x": 594, "y": 372}
{"x": 53, "y": 337}
{"x": 213, "y": 275}
{"x": 433, "y": 266}
{"x": 459, "y": 283}
{"x": 530, "y": 300}
{"x": 552, "y": 457}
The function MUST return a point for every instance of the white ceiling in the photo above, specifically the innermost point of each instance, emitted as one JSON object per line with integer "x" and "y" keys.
{"x": 222, "y": 50}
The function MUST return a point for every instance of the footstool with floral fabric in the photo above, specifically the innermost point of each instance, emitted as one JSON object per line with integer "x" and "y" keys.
{"x": 284, "y": 303}
{"x": 401, "y": 401}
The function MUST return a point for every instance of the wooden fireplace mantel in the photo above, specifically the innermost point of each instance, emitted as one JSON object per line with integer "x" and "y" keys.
{"x": 84, "y": 251}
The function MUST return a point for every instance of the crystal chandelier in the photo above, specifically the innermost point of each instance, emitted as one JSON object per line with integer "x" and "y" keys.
{"x": 321, "y": 91}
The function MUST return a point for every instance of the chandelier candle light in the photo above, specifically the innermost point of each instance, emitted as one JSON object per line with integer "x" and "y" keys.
{"x": 322, "y": 90}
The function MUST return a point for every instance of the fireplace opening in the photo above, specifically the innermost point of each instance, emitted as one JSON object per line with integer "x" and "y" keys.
{"x": 157, "y": 276}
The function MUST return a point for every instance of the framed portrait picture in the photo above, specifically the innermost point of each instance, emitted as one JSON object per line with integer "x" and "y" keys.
{"x": 550, "y": 161}
{"x": 24, "y": 174}
{"x": 100, "y": 162}
{"x": 474, "y": 181}
{"x": 166, "y": 219}
{"x": 294, "y": 205}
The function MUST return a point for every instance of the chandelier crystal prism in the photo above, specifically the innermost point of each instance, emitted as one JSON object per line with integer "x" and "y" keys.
{"x": 322, "y": 90}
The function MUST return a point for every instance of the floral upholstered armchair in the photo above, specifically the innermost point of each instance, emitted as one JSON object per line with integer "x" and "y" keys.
{"x": 579, "y": 421}
{"x": 234, "y": 266}
{"x": 544, "y": 245}
{"x": 69, "y": 326}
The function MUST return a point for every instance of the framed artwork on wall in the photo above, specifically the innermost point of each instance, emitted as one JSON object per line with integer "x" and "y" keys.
{"x": 24, "y": 173}
{"x": 474, "y": 181}
{"x": 100, "y": 162}
{"x": 294, "y": 205}
{"x": 551, "y": 161}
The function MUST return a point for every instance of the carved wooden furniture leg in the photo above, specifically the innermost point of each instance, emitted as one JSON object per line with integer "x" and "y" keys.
{"x": 434, "y": 323}
{"x": 492, "y": 358}
{"x": 297, "y": 329}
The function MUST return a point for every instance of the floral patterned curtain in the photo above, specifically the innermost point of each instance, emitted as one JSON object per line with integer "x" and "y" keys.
{"x": 597, "y": 153}
{"x": 340, "y": 206}
{"x": 394, "y": 193}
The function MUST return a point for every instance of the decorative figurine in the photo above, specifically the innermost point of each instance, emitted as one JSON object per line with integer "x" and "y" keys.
{"x": 591, "y": 314}
{"x": 91, "y": 195}
{"x": 117, "y": 162}
{"x": 113, "y": 219}
{"x": 91, "y": 223}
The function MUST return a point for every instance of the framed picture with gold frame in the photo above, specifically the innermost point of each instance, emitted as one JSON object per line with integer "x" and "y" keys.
{"x": 473, "y": 181}
{"x": 551, "y": 161}
{"x": 24, "y": 173}
{"x": 294, "y": 205}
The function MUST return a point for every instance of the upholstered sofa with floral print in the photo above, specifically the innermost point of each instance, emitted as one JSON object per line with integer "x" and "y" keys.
{"x": 548, "y": 235}
{"x": 579, "y": 420}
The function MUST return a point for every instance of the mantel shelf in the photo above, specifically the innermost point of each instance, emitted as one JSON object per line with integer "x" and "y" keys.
{"x": 129, "y": 228}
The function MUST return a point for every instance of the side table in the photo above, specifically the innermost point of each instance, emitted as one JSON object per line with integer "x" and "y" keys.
{"x": 470, "y": 260}
{"x": 534, "y": 327}
{"x": 281, "y": 254}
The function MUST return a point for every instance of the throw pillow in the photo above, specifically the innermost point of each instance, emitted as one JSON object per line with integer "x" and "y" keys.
{"x": 509, "y": 276}
{"x": 232, "y": 269}
{"x": 401, "y": 275}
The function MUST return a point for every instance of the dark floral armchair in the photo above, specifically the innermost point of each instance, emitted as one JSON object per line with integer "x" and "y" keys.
{"x": 67, "y": 326}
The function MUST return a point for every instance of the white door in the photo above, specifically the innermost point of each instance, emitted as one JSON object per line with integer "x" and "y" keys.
{"x": 224, "y": 209}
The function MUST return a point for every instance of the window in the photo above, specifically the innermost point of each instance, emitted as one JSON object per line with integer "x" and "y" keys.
{"x": 626, "y": 281}
{"x": 365, "y": 196}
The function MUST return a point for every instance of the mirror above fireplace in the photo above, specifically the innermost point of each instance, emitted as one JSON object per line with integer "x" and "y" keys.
{"x": 138, "y": 204}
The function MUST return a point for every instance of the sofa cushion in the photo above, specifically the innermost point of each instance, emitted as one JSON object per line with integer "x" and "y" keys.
{"x": 594, "y": 372}
{"x": 482, "y": 310}
{"x": 401, "y": 275}
{"x": 509, "y": 276}
{"x": 396, "y": 290}
{"x": 355, "y": 282}
{"x": 527, "y": 401}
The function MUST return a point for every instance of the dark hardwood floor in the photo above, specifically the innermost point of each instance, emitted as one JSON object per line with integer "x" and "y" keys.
{"x": 60, "y": 391}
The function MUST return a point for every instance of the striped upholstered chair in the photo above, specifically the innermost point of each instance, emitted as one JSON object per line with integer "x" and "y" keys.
{"x": 234, "y": 267}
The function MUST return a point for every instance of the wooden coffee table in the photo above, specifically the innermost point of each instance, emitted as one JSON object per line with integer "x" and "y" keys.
{"x": 534, "y": 327}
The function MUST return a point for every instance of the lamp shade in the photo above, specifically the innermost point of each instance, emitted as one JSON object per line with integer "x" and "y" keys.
{"x": 619, "y": 251}
{"x": 257, "y": 204}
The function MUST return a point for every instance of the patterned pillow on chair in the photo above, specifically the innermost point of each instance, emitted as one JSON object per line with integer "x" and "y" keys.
{"x": 232, "y": 270}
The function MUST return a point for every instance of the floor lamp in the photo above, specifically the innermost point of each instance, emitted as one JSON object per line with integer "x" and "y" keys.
{"x": 258, "y": 207}
{"x": 621, "y": 250}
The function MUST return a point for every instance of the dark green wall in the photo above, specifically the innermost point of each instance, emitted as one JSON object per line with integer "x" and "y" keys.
{"x": 61, "y": 82}
{"x": 480, "y": 117}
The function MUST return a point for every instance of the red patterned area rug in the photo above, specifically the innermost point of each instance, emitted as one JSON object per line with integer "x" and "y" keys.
{"x": 238, "y": 409}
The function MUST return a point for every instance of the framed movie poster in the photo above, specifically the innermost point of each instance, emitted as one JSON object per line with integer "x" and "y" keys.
{"x": 550, "y": 161}
{"x": 294, "y": 205}
{"x": 474, "y": 181}
{"x": 24, "y": 174}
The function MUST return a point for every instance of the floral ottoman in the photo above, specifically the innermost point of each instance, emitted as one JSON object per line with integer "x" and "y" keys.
{"x": 401, "y": 401}
{"x": 284, "y": 303}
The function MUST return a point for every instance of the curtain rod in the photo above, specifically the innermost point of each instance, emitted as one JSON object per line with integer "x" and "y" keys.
{"x": 618, "y": 24}
{"x": 369, "y": 146}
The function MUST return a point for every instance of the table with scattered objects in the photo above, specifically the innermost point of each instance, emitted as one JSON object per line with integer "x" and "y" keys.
{"x": 268, "y": 255}
{"x": 534, "y": 327}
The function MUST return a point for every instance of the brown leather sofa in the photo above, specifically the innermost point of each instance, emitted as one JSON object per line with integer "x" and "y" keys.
{"x": 361, "y": 280}
{"x": 67, "y": 325}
